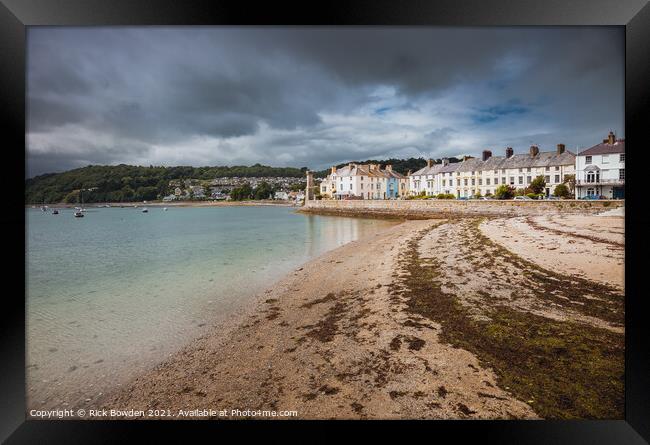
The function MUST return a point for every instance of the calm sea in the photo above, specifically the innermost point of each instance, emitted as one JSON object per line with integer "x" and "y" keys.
{"x": 112, "y": 293}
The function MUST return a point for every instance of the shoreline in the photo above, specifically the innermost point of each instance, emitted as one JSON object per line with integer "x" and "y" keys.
{"x": 346, "y": 336}
{"x": 169, "y": 204}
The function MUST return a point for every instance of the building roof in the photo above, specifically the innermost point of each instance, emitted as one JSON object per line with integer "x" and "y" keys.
{"x": 470, "y": 165}
{"x": 362, "y": 170}
{"x": 605, "y": 148}
{"x": 521, "y": 160}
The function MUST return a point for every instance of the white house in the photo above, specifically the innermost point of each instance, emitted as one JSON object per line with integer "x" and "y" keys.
{"x": 281, "y": 195}
{"x": 359, "y": 181}
{"x": 600, "y": 170}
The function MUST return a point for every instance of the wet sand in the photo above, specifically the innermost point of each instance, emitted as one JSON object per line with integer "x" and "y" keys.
{"x": 422, "y": 320}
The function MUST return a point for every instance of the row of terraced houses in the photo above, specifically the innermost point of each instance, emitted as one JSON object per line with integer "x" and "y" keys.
{"x": 598, "y": 171}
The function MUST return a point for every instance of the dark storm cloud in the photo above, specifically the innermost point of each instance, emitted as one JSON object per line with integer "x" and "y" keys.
{"x": 302, "y": 96}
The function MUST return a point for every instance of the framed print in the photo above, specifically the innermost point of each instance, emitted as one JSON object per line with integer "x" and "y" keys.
{"x": 371, "y": 215}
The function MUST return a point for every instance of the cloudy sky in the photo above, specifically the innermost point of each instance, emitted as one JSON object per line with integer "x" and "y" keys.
{"x": 314, "y": 96}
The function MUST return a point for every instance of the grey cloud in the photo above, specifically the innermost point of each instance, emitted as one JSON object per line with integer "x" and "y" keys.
{"x": 264, "y": 92}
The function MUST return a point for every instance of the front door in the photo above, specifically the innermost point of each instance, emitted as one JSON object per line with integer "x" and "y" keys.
{"x": 618, "y": 193}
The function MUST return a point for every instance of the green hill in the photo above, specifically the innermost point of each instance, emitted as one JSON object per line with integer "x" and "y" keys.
{"x": 126, "y": 183}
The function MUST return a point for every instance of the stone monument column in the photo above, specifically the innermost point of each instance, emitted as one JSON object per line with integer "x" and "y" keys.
{"x": 309, "y": 192}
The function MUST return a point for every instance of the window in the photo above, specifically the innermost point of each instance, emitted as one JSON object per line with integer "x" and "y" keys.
{"x": 557, "y": 168}
{"x": 521, "y": 180}
{"x": 496, "y": 172}
{"x": 605, "y": 159}
{"x": 590, "y": 192}
{"x": 512, "y": 180}
{"x": 465, "y": 181}
{"x": 457, "y": 173}
{"x": 528, "y": 179}
{"x": 621, "y": 174}
{"x": 528, "y": 170}
{"x": 521, "y": 170}
{"x": 443, "y": 182}
{"x": 503, "y": 170}
{"x": 362, "y": 184}
{"x": 480, "y": 181}
{"x": 350, "y": 186}
{"x": 557, "y": 179}
{"x": 451, "y": 183}
{"x": 593, "y": 176}
{"x": 547, "y": 179}
{"x": 341, "y": 187}
{"x": 621, "y": 157}
{"x": 587, "y": 159}
{"x": 547, "y": 168}
{"x": 503, "y": 179}
{"x": 487, "y": 181}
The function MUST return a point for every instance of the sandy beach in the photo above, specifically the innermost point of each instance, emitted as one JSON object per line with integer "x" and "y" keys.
{"x": 470, "y": 318}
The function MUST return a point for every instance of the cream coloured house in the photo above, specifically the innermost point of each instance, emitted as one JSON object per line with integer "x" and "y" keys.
{"x": 475, "y": 176}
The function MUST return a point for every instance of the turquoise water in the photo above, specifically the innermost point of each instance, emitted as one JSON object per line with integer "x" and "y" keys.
{"x": 112, "y": 293}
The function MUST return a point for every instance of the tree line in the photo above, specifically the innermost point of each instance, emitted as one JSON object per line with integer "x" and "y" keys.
{"x": 129, "y": 183}
{"x": 402, "y": 166}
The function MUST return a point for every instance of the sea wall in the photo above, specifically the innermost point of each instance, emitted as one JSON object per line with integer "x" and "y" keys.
{"x": 439, "y": 208}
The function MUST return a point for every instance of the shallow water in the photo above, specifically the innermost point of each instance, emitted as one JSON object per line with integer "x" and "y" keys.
{"x": 112, "y": 293}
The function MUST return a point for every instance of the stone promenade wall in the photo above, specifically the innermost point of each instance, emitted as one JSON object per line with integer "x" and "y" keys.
{"x": 434, "y": 208}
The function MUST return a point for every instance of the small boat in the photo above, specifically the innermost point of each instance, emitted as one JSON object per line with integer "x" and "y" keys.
{"x": 145, "y": 210}
{"x": 55, "y": 212}
{"x": 165, "y": 209}
{"x": 80, "y": 210}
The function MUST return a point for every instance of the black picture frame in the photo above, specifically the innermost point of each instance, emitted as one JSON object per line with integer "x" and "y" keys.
{"x": 634, "y": 15}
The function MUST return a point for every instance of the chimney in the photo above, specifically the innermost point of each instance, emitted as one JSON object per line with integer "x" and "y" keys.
{"x": 560, "y": 149}
{"x": 429, "y": 163}
{"x": 534, "y": 150}
{"x": 389, "y": 168}
{"x": 445, "y": 161}
{"x": 333, "y": 170}
{"x": 611, "y": 138}
{"x": 509, "y": 152}
{"x": 486, "y": 155}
